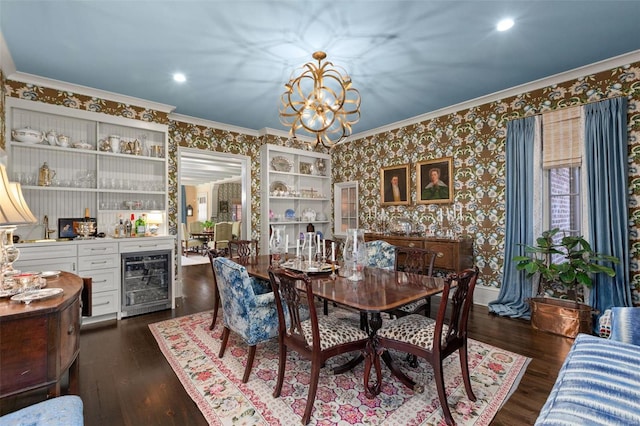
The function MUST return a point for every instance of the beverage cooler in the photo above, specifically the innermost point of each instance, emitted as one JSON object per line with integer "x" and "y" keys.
{"x": 146, "y": 282}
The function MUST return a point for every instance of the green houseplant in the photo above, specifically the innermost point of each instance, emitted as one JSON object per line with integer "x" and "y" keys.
{"x": 207, "y": 225}
{"x": 562, "y": 263}
{"x": 568, "y": 261}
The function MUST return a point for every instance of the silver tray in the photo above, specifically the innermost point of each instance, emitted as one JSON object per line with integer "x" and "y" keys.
{"x": 294, "y": 266}
{"x": 31, "y": 296}
{"x": 278, "y": 186}
{"x": 281, "y": 164}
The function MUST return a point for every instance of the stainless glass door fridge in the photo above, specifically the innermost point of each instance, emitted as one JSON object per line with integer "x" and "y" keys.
{"x": 146, "y": 282}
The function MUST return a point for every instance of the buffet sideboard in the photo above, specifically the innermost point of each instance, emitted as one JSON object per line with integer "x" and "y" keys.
{"x": 453, "y": 254}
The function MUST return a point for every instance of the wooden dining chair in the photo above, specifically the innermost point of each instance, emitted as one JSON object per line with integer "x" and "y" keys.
{"x": 316, "y": 338}
{"x": 242, "y": 250}
{"x": 415, "y": 260}
{"x": 434, "y": 340}
{"x": 216, "y": 293}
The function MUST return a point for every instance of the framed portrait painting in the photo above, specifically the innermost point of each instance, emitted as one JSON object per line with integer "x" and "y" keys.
{"x": 394, "y": 185}
{"x": 434, "y": 181}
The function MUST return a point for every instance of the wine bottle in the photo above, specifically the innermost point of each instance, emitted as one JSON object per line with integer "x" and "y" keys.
{"x": 132, "y": 230}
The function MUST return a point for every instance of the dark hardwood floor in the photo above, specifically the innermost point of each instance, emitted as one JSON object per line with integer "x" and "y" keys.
{"x": 125, "y": 380}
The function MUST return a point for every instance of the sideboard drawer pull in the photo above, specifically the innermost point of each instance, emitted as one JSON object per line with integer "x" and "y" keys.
{"x": 101, "y": 304}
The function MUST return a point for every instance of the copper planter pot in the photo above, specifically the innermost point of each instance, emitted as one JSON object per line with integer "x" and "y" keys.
{"x": 563, "y": 317}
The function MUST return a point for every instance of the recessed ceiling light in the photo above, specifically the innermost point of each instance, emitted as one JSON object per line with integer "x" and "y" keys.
{"x": 505, "y": 24}
{"x": 179, "y": 77}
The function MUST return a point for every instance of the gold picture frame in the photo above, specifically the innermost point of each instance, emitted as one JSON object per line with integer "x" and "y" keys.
{"x": 399, "y": 174}
{"x": 434, "y": 181}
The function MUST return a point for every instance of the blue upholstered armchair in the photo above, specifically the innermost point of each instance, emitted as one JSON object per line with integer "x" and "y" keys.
{"x": 248, "y": 308}
{"x": 381, "y": 254}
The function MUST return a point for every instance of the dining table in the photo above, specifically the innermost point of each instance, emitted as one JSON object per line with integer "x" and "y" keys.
{"x": 204, "y": 235}
{"x": 379, "y": 290}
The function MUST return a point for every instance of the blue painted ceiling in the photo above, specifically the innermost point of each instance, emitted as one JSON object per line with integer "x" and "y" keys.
{"x": 405, "y": 57}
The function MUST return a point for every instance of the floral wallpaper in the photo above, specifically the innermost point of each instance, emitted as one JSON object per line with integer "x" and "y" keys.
{"x": 474, "y": 137}
{"x": 228, "y": 192}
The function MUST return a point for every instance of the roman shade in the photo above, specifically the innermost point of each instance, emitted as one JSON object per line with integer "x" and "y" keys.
{"x": 562, "y": 137}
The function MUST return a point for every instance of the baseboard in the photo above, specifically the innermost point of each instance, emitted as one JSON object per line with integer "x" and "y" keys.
{"x": 482, "y": 295}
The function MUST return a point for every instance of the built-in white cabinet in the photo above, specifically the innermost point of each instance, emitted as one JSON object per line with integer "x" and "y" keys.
{"x": 101, "y": 260}
{"x": 110, "y": 165}
{"x": 345, "y": 207}
{"x": 296, "y": 192}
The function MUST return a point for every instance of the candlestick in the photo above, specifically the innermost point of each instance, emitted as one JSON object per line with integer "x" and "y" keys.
{"x": 333, "y": 251}
{"x": 324, "y": 250}
{"x": 297, "y": 247}
{"x": 286, "y": 243}
{"x": 317, "y": 243}
{"x": 86, "y": 212}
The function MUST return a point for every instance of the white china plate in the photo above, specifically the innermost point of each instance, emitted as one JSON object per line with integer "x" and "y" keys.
{"x": 308, "y": 215}
{"x": 290, "y": 214}
{"x": 80, "y": 145}
{"x": 30, "y": 296}
{"x": 281, "y": 164}
{"x": 50, "y": 274}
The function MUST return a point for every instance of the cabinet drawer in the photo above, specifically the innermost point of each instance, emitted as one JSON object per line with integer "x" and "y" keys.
{"x": 105, "y": 303}
{"x": 103, "y": 280}
{"x": 47, "y": 263}
{"x": 146, "y": 244}
{"x": 48, "y": 251}
{"x": 89, "y": 263}
{"x": 447, "y": 255}
{"x": 96, "y": 249}
{"x": 69, "y": 334}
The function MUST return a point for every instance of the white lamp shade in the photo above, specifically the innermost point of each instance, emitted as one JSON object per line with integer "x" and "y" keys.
{"x": 17, "y": 193}
{"x": 12, "y": 211}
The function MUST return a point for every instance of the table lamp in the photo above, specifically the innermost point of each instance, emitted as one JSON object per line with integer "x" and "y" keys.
{"x": 13, "y": 211}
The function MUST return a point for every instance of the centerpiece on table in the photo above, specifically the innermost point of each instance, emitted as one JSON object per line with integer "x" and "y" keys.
{"x": 562, "y": 263}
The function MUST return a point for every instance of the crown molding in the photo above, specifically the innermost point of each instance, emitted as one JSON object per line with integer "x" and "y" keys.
{"x": 213, "y": 124}
{"x": 596, "y": 67}
{"x": 7, "y": 65}
{"x": 89, "y": 91}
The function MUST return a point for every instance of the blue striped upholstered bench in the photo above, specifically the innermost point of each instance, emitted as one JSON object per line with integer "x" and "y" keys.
{"x": 598, "y": 384}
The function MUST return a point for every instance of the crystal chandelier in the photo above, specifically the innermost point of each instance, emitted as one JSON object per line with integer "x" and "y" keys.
{"x": 320, "y": 102}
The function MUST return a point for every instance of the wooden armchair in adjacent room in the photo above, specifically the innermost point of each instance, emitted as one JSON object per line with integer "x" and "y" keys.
{"x": 188, "y": 242}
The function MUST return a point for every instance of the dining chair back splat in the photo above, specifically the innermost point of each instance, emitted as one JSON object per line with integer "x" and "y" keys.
{"x": 415, "y": 260}
{"x": 434, "y": 340}
{"x": 316, "y": 338}
{"x": 243, "y": 250}
{"x": 247, "y": 308}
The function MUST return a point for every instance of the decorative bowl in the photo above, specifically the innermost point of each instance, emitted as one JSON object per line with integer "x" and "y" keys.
{"x": 27, "y": 135}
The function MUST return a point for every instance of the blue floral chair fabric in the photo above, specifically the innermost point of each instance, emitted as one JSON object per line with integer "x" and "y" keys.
{"x": 61, "y": 411}
{"x": 381, "y": 254}
{"x": 248, "y": 308}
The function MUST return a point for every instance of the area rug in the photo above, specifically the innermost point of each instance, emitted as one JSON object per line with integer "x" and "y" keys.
{"x": 216, "y": 384}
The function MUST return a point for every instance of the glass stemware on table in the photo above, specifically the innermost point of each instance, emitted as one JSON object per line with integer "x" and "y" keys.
{"x": 355, "y": 254}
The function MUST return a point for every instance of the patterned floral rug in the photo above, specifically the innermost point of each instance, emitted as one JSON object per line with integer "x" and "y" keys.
{"x": 216, "y": 384}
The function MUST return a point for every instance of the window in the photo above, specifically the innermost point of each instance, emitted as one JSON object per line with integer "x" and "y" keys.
{"x": 563, "y": 141}
{"x": 202, "y": 207}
